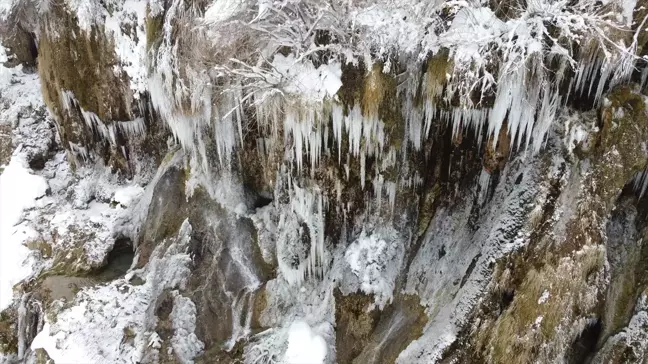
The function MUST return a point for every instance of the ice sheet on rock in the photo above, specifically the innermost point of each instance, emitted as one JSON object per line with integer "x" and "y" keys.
{"x": 640, "y": 182}
{"x": 451, "y": 268}
{"x": 312, "y": 305}
{"x": 186, "y": 344}
{"x": 301, "y": 250}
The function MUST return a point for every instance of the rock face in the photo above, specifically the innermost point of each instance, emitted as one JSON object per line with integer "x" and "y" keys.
{"x": 324, "y": 182}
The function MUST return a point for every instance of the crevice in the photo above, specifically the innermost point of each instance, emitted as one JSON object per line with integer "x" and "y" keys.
{"x": 471, "y": 267}
{"x": 582, "y": 349}
{"x": 119, "y": 261}
{"x": 262, "y": 200}
{"x": 506, "y": 298}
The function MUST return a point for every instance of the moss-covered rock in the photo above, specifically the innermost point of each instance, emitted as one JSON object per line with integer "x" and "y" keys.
{"x": 41, "y": 357}
{"x": 355, "y": 322}
{"x": 8, "y": 331}
{"x": 154, "y": 29}
{"x": 400, "y": 323}
{"x": 73, "y": 62}
{"x": 553, "y": 300}
{"x": 6, "y": 148}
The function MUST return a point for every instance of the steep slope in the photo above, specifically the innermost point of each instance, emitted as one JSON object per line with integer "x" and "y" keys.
{"x": 323, "y": 181}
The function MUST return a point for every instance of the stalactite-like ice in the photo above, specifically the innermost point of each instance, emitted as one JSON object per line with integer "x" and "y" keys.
{"x": 301, "y": 250}
{"x": 106, "y": 131}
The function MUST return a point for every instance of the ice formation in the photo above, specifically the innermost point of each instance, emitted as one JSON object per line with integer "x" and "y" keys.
{"x": 129, "y": 129}
{"x": 301, "y": 251}
{"x": 375, "y": 259}
{"x": 337, "y": 103}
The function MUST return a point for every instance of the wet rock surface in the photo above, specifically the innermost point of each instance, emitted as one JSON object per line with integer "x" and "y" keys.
{"x": 191, "y": 217}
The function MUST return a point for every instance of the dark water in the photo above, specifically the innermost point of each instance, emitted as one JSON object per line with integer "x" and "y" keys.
{"x": 119, "y": 261}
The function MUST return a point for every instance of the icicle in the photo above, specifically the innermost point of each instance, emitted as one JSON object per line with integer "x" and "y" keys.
{"x": 107, "y": 132}
{"x": 414, "y": 121}
{"x": 546, "y": 115}
{"x": 390, "y": 187}
{"x": 484, "y": 184}
{"x": 640, "y": 182}
{"x": 503, "y": 100}
{"x": 224, "y": 129}
{"x": 132, "y": 129}
{"x": 304, "y": 124}
{"x": 362, "y": 169}
{"x": 353, "y": 125}
{"x": 22, "y": 325}
{"x": 378, "y": 182}
{"x": 337, "y": 116}
{"x": 430, "y": 112}
{"x": 309, "y": 207}
{"x": 78, "y": 150}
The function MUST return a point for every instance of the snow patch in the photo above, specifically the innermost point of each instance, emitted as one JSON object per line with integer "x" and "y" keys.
{"x": 304, "y": 345}
{"x": 127, "y": 195}
{"x": 544, "y": 297}
{"x": 112, "y": 323}
{"x": 19, "y": 190}
{"x": 376, "y": 260}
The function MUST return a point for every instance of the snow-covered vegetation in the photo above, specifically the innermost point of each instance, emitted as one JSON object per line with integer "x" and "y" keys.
{"x": 308, "y": 180}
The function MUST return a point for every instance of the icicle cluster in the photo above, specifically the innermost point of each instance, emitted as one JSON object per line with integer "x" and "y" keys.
{"x": 301, "y": 251}
{"x": 511, "y": 61}
{"x": 107, "y": 132}
{"x": 511, "y": 78}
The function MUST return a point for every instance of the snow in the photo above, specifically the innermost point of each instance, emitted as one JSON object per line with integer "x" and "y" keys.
{"x": 113, "y": 323}
{"x": 221, "y": 10}
{"x": 127, "y": 195}
{"x": 130, "y": 46}
{"x": 544, "y": 297}
{"x": 304, "y": 345}
{"x": 6, "y": 6}
{"x": 577, "y": 133}
{"x": 19, "y": 190}
{"x": 472, "y": 29}
{"x": 88, "y": 12}
{"x": 19, "y": 90}
{"x": 185, "y": 343}
{"x": 393, "y": 25}
{"x": 375, "y": 259}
